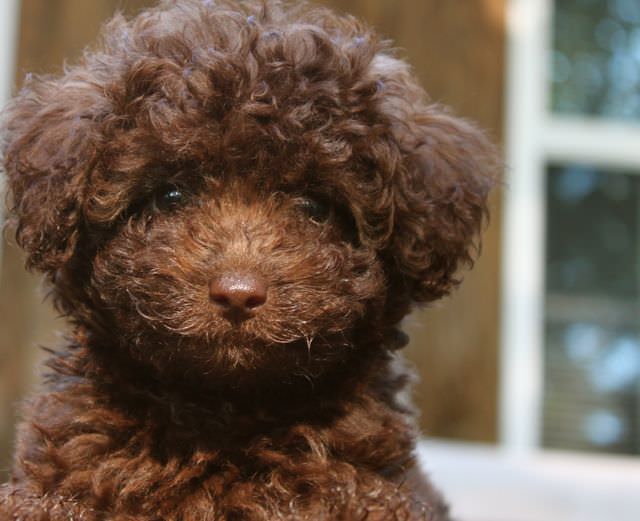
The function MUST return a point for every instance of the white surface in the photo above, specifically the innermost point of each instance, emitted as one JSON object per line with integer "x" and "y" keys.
{"x": 8, "y": 36}
{"x": 484, "y": 483}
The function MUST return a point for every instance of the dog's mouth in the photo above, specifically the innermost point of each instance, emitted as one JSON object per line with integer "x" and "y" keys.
{"x": 250, "y": 338}
{"x": 235, "y": 323}
{"x": 284, "y": 339}
{"x": 269, "y": 326}
{"x": 239, "y": 356}
{"x": 257, "y": 334}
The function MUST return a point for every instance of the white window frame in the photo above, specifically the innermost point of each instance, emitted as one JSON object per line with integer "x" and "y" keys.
{"x": 535, "y": 138}
{"x": 9, "y": 17}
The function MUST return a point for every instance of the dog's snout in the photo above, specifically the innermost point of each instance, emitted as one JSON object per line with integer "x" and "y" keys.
{"x": 240, "y": 292}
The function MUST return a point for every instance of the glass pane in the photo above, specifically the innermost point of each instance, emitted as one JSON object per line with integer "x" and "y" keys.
{"x": 595, "y": 62}
{"x": 592, "y": 354}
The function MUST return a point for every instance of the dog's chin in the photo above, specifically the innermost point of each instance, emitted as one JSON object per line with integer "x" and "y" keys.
{"x": 244, "y": 357}
{"x": 275, "y": 351}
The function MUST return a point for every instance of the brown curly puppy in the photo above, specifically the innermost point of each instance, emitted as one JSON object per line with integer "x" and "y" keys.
{"x": 235, "y": 205}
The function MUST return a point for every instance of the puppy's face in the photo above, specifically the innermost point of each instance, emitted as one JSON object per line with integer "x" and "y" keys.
{"x": 228, "y": 276}
{"x": 242, "y": 189}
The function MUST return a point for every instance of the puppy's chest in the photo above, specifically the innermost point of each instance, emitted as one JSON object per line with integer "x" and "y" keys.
{"x": 265, "y": 482}
{"x": 126, "y": 472}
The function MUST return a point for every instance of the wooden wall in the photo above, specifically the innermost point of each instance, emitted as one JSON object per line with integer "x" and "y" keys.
{"x": 456, "y": 48}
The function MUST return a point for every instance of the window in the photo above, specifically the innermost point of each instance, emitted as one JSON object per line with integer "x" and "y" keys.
{"x": 595, "y": 61}
{"x": 592, "y": 335}
{"x": 592, "y": 312}
{"x": 571, "y": 332}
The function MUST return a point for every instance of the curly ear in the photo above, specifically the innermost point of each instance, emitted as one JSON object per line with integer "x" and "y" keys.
{"x": 441, "y": 202}
{"x": 447, "y": 169}
{"x": 47, "y": 152}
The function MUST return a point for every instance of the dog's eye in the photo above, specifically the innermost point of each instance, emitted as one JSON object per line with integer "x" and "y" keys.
{"x": 170, "y": 197}
{"x": 317, "y": 211}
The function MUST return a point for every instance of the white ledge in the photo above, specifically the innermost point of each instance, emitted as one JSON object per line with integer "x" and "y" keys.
{"x": 486, "y": 483}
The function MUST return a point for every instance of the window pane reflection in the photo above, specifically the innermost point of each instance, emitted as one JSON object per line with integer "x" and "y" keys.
{"x": 592, "y": 356}
{"x": 595, "y": 62}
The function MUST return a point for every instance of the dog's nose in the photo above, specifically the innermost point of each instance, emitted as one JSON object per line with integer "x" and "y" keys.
{"x": 239, "y": 292}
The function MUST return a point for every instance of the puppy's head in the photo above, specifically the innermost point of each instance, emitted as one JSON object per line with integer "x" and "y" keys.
{"x": 242, "y": 189}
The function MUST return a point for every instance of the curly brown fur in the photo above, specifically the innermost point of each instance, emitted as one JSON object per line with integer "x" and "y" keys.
{"x": 207, "y": 138}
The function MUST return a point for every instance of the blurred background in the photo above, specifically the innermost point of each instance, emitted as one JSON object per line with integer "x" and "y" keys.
{"x": 530, "y": 374}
